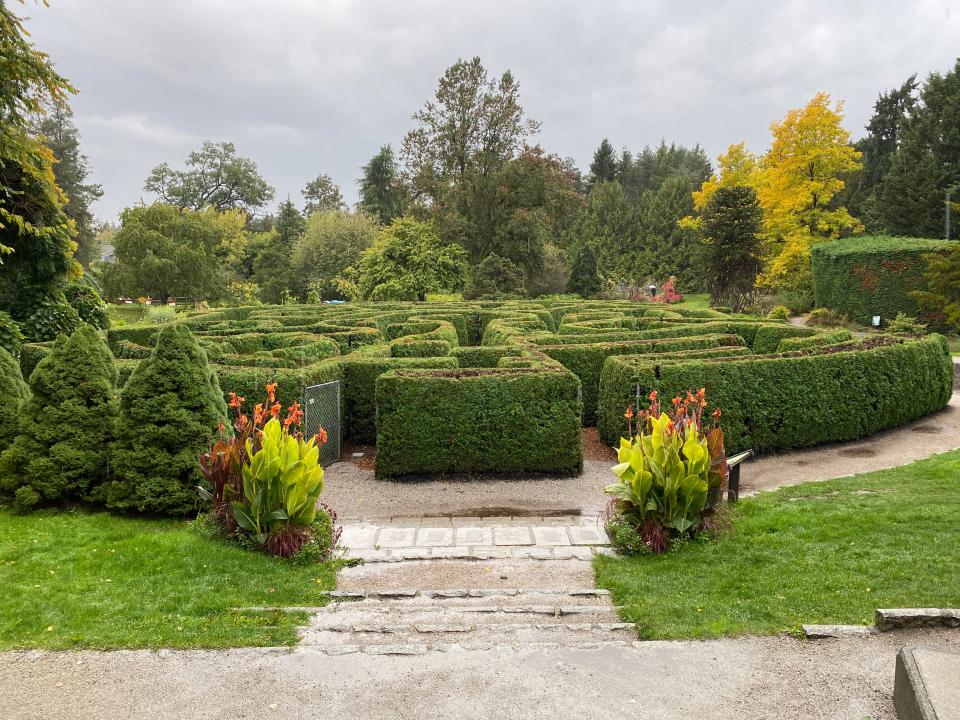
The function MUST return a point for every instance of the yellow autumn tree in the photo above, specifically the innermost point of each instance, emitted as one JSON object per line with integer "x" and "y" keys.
{"x": 796, "y": 182}
{"x": 799, "y": 179}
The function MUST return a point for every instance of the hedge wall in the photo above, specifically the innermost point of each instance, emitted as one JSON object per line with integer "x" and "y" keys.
{"x": 586, "y": 361}
{"x": 867, "y": 276}
{"x": 831, "y": 337}
{"x": 502, "y": 421}
{"x": 357, "y": 398}
{"x": 783, "y": 402}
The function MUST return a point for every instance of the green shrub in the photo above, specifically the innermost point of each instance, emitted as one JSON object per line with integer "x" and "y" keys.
{"x": 52, "y": 316}
{"x": 169, "y": 411}
{"x": 11, "y": 339}
{"x": 770, "y": 335}
{"x": 160, "y": 313}
{"x": 85, "y": 299}
{"x": 779, "y": 312}
{"x": 903, "y": 324}
{"x": 827, "y": 317}
{"x": 13, "y": 391}
{"x": 505, "y": 421}
{"x": 248, "y": 381}
{"x": 31, "y": 354}
{"x": 62, "y": 450}
{"x": 779, "y": 403}
{"x": 867, "y": 276}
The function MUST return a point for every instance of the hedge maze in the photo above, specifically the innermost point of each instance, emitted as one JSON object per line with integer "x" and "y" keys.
{"x": 506, "y": 387}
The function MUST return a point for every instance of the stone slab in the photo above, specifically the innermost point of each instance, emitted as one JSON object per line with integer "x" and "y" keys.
{"x": 821, "y": 632}
{"x": 550, "y": 536}
{"x": 590, "y": 535}
{"x": 512, "y": 536}
{"x": 434, "y": 536}
{"x": 899, "y": 618}
{"x": 396, "y": 537}
{"x": 927, "y": 684}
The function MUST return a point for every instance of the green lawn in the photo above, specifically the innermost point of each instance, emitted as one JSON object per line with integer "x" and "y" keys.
{"x": 693, "y": 301}
{"x": 132, "y": 313}
{"x": 74, "y": 579}
{"x": 816, "y": 553}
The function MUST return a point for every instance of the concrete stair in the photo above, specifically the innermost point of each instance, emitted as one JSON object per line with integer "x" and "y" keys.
{"x": 401, "y": 622}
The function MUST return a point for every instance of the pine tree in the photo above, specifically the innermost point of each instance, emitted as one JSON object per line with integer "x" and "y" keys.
{"x": 13, "y": 390}
{"x": 66, "y": 426}
{"x": 169, "y": 411}
{"x": 927, "y": 162}
{"x": 71, "y": 172}
{"x": 667, "y": 248}
{"x": 381, "y": 196}
{"x": 731, "y": 247}
{"x": 584, "y": 275}
{"x": 604, "y": 165}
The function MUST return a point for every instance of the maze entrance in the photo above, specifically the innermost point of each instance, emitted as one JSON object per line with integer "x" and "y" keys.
{"x": 321, "y": 409}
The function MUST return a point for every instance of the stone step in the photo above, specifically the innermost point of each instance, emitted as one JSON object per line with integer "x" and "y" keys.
{"x": 464, "y": 645}
{"x": 457, "y": 593}
{"x": 450, "y": 632}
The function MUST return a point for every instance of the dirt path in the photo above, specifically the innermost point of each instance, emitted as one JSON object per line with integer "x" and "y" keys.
{"x": 777, "y": 677}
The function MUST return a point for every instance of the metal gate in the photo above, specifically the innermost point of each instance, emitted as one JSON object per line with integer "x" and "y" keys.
{"x": 321, "y": 409}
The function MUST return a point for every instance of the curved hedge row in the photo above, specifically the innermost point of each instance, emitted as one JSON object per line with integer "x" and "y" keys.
{"x": 794, "y": 400}
{"x": 867, "y": 276}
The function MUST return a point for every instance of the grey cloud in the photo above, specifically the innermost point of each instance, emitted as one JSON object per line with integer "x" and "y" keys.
{"x": 307, "y": 87}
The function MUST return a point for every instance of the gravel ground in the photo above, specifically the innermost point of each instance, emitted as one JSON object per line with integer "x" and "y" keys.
{"x": 777, "y": 677}
{"x": 354, "y": 493}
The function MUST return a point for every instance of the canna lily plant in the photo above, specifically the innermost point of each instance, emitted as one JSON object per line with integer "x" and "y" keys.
{"x": 282, "y": 482}
{"x": 671, "y": 471}
{"x": 264, "y": 479}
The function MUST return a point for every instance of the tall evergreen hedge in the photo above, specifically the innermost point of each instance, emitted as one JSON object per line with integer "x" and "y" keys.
{"x": 169, "y": 411}
{"x": 66, "y": 425}
{"x": 866, "y": 276}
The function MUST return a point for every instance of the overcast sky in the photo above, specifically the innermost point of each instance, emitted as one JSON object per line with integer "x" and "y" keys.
{"x": 311, "y": 86}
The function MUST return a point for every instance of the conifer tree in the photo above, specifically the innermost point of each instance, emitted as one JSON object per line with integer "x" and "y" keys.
{"x": 13, "y": 390}
{"x": 169, "y": 411}
{"x": 66, "y": 426}
{"x": 584, "y": 276}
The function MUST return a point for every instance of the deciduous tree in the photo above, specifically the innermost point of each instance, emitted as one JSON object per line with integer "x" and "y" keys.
{"x": 408, "y": 260}
{"x": 322, "y": 194}
{"x": 215, "y": 176}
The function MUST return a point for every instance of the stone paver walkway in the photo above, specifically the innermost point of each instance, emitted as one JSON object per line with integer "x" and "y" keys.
{"x": 475, "y": 538}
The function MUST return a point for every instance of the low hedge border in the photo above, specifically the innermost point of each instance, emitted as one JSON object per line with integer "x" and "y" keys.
{"x": 821, "y": 338}
{"x": 784, "y": 402}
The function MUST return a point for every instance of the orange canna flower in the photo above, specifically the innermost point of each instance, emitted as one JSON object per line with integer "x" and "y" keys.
{"x": 629, "y": 413}
{"x": 271, "y": 391}
{"x": 275, "y": 410}
{"x": 321, "y": 437}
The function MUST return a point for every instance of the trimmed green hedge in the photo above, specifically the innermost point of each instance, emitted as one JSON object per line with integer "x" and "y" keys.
{"x": 468, "y": 421}
{"x": 783, "y": 402}
{"x": 586, "y": 361}
{"x": 867, "y": 276}
{"x": 831, "y": 337}
{"x": 358, "y": 397}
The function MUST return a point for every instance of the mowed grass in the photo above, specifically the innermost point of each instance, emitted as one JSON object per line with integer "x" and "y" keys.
{"x": 828, "y": 552}
{"x": 693, "y": 301}
{"x": 92, "y": 580}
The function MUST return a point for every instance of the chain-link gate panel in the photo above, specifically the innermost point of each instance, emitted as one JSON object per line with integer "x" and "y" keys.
{"x": 321, "y": 409}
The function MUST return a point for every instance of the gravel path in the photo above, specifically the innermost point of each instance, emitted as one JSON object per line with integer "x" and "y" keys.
{"x": 777, "y": 677}
{"x": 355, "y": 494}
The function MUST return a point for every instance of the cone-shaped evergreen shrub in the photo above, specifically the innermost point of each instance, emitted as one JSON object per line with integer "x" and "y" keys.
{"x": 65, "y": 427}
{"x": 13, "y": 390}
{"x": 169, "y": 412}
